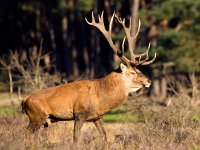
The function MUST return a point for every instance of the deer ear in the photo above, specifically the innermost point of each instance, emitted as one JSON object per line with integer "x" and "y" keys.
{"x": 122, "y": 67}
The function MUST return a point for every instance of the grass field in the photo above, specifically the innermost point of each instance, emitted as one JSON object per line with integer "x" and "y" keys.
{"x": 141, "y": 123}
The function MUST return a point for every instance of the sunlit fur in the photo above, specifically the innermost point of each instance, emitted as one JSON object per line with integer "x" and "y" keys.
{"x": 85, "y": 100}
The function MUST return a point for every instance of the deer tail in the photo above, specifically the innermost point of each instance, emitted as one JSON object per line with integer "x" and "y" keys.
{"x": 23, "y": 104}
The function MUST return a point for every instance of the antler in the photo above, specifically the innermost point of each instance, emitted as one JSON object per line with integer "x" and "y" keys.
{"x": 130, "y": 39}
{"x": 100, "y": 25}
{"x": 108, "y": 35}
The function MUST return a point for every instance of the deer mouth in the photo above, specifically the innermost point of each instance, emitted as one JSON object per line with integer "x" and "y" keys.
{"x": 134, "y": 89}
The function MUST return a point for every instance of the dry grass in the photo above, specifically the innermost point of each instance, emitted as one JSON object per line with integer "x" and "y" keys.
{"x": 176, "y": 126}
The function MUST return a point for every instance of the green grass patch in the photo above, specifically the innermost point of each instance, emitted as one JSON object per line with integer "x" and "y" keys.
{"x": 196, "y": 116}
{"x": 7, "y": 111}
{"x": 197, "y": 147}
{"x": 122, "y": 115}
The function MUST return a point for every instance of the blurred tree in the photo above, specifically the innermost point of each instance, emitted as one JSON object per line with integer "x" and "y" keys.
{"x": 173, "y": 26}
{"x": 77, "y": 49}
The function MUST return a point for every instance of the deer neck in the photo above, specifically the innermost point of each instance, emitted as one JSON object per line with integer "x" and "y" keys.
{"x": 113, "y": 91}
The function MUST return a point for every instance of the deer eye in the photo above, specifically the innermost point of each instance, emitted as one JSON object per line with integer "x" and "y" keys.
{"x": 132, "y": 72}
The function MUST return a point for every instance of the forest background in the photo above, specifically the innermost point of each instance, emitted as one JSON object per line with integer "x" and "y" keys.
{"x": 77, "y": 50}
{"x": 47, "y": 43}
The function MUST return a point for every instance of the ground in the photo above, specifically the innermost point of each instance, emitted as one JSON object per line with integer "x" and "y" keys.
{"x": 141, "y": 123}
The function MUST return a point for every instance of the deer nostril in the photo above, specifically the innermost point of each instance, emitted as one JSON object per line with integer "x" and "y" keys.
{"x": 147, "y": 83}
{"x": 149, "y": 80}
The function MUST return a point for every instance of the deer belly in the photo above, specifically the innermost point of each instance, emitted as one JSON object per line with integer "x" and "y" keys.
{"x": 93, "y": 117}
{"x": 63, "y": 113}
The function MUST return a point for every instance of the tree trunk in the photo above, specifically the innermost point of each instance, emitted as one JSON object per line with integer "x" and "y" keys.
{"x": 66, "y": 47}
{"x": 163, "y": 88}
{"x": 10, "y": 82}
{"x": 156, "y": 83}
{"x": 194, "y": 87}
{"x": 37, "y": 24}
{"x": 134, "y": 11}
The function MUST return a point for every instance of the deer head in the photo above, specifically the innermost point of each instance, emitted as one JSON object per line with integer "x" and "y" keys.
{"x": 132, "y": 76}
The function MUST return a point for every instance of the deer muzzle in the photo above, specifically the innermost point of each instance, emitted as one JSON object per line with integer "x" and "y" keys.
{"x": 147, "y": 84}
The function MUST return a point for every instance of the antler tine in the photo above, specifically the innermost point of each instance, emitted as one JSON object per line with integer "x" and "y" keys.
{"x": 101, "y": 21}
{"x": 127, "y": 31}
{"x": 145, "y": 62}
{"x": 108, "y": 35}
{"x": 100, "y": 24}
{"x": 138, "y": 30}
{"x": 149, "y": 62}
{"x": 145, "y": 53}
{"x": 141, "y": 61}
{"x": 93, "y": 19}
{"x": 123, "y": 44}
{"x": 90, "y": 23}
{"x": 111, "y": 23}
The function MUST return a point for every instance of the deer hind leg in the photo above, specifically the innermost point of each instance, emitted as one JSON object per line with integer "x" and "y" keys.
{"x": 99, "y": 125}
{"x": 78, "y": 123}
{"x": 36, "y": 122}
{"x": 48, "y": 122}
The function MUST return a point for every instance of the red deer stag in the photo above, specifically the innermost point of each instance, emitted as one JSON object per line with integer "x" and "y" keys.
{"x": 89, "y": 100}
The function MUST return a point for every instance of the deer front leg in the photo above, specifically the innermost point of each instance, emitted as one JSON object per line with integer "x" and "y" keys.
{"x": 99, "y": 125}
{"x": 78, "y": 123}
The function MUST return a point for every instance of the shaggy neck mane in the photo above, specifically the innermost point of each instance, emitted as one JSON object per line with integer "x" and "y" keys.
{"x": 112, "y": 91}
